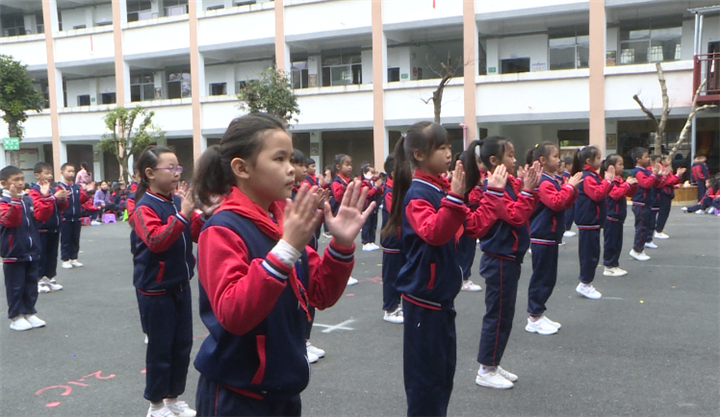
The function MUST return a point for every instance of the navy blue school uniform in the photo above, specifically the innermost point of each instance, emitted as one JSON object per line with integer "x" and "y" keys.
{"x": 667, "y": 194}
{"x": 615, "y": 214}
{"x": 255, "y": 307}
{"x": 46, "y": 211}
{"x": 641, "y": 205}
{"x": 70, "y": 225}
{"x": 337, "y": 191}
{"x": 698, "y": 174}
{"x": 20, "y": 250}
{"x": 432, "y": 222}
{"x": 393, "y": 258}
{"x": 467, "y": 246}
{"x": 504, "y": 248}
{"x": 569, "y": 212}
{"x": 163, "y": 266}
{"x": 590, "y": 217}
{"x": 547, "y": 225}
{"x": 369, "y": 229}
{"x": 655, "y": 208}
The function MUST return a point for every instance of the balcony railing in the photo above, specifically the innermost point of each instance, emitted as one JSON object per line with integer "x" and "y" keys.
{"x": 707, "y": 66}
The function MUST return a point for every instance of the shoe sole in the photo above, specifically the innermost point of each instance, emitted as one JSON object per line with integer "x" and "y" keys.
{"x": 393, "y": 321}
{"x": 531, "y": 330}
{"x": 21, "y": 330}
{"x": 587, "y": 296}
{"x": 482, "y": 383}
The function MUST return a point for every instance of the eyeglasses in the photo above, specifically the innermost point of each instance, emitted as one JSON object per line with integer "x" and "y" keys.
{"x": 173, "y": 170}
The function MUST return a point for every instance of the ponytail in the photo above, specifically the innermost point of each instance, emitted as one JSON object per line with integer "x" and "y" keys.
{"x": 210, "y": 177}
{"x": 470, "y": 164}
{"x": 582, "y": 155}
{"x": 402, "y": 177}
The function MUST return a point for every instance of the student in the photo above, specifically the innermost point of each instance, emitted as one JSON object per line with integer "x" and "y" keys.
{"x": 342, "y": 170}
{"x": 504, "y": 248}
{"x": 546, "y": 230}
{"x": 699, "y": 174}
{"x": 710, "y": 201}
{"x": 667, "y": 194}
{"x": 393, "y": 258}
{"x": 569, "y": 213}
{"x": 369, "y": 231}
{"x": 430, "y": 215}
{"x": 20, "y": 249}
{"x": 120, "y": 197}
{"x": 467, "y": 245}
{"x": 70, "y": 226}
{"x": 590, "y": 214}
{"x": 655, "y": 200}
{"x": 646, "y": 179}
{"x": 103, "y": 201}
{"x": 257, "y": 275}
{"x": 615, "y": 214}
{"x": 312, "y": 180}
{"x": 84, "y": 177}
{"x": 48, "y": 203}
{"x": 165, "y": 224}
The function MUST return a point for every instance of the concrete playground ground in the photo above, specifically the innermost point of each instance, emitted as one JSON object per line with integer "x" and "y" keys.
{"x": 649, "y": 347}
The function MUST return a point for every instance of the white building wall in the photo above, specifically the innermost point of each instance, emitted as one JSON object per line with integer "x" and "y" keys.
{"x": 327, "y": 16}
{"x": 367, "y": 70}
{"x": 85, "y": 47}
{"x": 240, "y": 27}
{"x": 30, "y": 52}
{"x": 485, "y": 6}
{"x": 246, "y": 71}
{"x": 156, "y": 38}
{"x": 402, "y": 11}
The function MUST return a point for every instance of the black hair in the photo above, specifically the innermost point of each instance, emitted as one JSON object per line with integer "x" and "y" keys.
{"x": 65, "y": 165}
{"x": 423, "y": 137}
{"x": 637, "y": 153}
{"x": 582, "y": 155}
{"x": 27, "y": 186}
{"x": 339, "y": 158}
{"x": 148, "y": 159}
{"x": 41, "y": 166}
{"x": 455, "y": 158}
{"x": 297, "y": 158}
{"x": 611, "y": 160}
{"x": 698, "y": 155}
{"x": 242, "y": 139}
{"x": 326, "y": 168}
{"x": 654, "y": 158}
{"x": 9, "y": 171}
{"x": 568, "y": 162}
{"x": 365, "y": 168}
{"x": 543, "y": 149}
{"x": 309, "y": 161}
{"x": 469, "y": 160}
{"x": 389, "y": 165}
{"x": 84, "y": 165}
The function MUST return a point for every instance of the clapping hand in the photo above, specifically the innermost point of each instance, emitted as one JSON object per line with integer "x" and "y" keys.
{"x": 457, "y": 184}
{"x": 498, "y": 178}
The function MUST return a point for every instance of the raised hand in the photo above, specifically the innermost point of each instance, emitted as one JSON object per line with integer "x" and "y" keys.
{"x": 301, "y": 218}
{"x": 457, "y": 184}
{"x": 61, "y": 193}
{"x": 208, "y": 210}
{"x": 346, "y": 224}
{"x": 187, "y": 198}
{"x": 610, "y": 173}
{"x": 498, "y": 178}
{"x": 575, "y": 179}
{"x": 681, "y": 171}
{"x": 632, "y": 180}
{"x": 532, "y": 176}
{"x": 522, "y": 171}
{"x": 14, "y": 194}
{"x": 44, "y": 187}
{"x": 322, "y": 197}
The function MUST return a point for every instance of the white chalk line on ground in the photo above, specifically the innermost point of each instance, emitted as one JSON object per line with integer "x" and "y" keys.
{"x": 685, "y": 266}
{"x": 341, "y": 326}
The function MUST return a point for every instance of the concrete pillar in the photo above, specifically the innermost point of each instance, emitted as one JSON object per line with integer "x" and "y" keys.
{"x": 597, "y": 73}
{"x": 379, "y": 58}
{"x": 470, "y": 52}
{"x": 98, "y": 164}
{"x": 316, "y": 138}
{"x": 197, "y": 79}
{"x": 122, "y": 70}
{"x": 282, "y": 51}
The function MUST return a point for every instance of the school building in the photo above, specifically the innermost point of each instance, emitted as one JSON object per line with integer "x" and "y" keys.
{"x": 364, "y": 70}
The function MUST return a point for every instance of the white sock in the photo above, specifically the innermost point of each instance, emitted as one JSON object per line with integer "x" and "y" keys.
{"x": 486, "y": 369}
{"x": 156, "y": 406}
{"x": 170, "y": 400}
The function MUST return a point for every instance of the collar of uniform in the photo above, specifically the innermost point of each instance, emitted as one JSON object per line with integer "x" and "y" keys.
{"x": 159, "y": 196}
{"x": 435, "y": 180}
{"x": 587, "y": 167}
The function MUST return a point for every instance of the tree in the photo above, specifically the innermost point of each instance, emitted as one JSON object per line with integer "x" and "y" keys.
{"x": 272, "y": 93}
{"x": 17, "y": 96}
{"x": 125, "y": 138}
{"x": 446, "y": 72}
{"x": 694, "y": 109}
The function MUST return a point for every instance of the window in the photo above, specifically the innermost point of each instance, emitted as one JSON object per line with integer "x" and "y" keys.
{"x": 142, "y": 87}
{"x": 42, "y": 88}
{"x": 245, "y": 2}
{"x": 343, "y": 69}
{"x": 216, "y": 7}
{"x": 393, "y": 74}
{"x": 300, "y": 75}
{"x": 13, "y": 25}
{"x": 240, "y": 85}
{"x": 515, "y": 65}
{"x": 175, "y": 7}
{"x": 39, "y": 22}
{"x": 108, "y": 98}
{"x": 218, "y": 89}
{"x": 570, "y": 51}
{"x": 83, "y": 100}
{"x": 178, "y": 84}
{"x": 639, "y": 45}
{"x": 139, "y": 10}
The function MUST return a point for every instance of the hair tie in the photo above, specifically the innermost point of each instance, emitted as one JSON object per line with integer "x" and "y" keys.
{"x": 537, "y": 145}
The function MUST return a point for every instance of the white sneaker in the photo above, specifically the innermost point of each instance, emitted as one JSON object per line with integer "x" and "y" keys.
{"x": 396, "y": 316}
{"x": 540, "y": 326}
{"x": 312, "y": 358}
{"x": 54, "y": 285}
{"x": 369, "y": 247}
{"x": 43, "y": 287}
{"x": 640, "y": 256}
{"x": 651, "y": 245}
{"x": 562, "y": 243}
{"x": 95, "y": 223}
{"x": 614, "y": 272}
{"x": 146, "y": 339}
{"x": 469, "y": 286}
{"x": 507, "y": 375}
{"x": 712, "y": 210}
{"x": 569, "y": 233}
{"x": 75, "y": 263}
{"x": 327, "y": 235}
{"x": 552, "y": 323}
{"x": 20, "y": 324}
{"x": 588, "y": 291}
{"x": 163, "y": 412}
{"x": 314, "y": 349}
{"x": 180, "y": 409}
{"x": 493, "y": 379}
{"x": 351, "y": 281}
{"x": 66, "y": 265}
{"x": 660, "y": 235}
{"x": 34, "y": 320}
{"x": 700, "y": 212}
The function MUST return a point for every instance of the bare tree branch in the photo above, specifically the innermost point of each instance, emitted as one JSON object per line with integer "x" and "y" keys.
{"x": 647, "y": 112}
{"x": 694, "y": 109}
{"x": 665, "y": 103}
